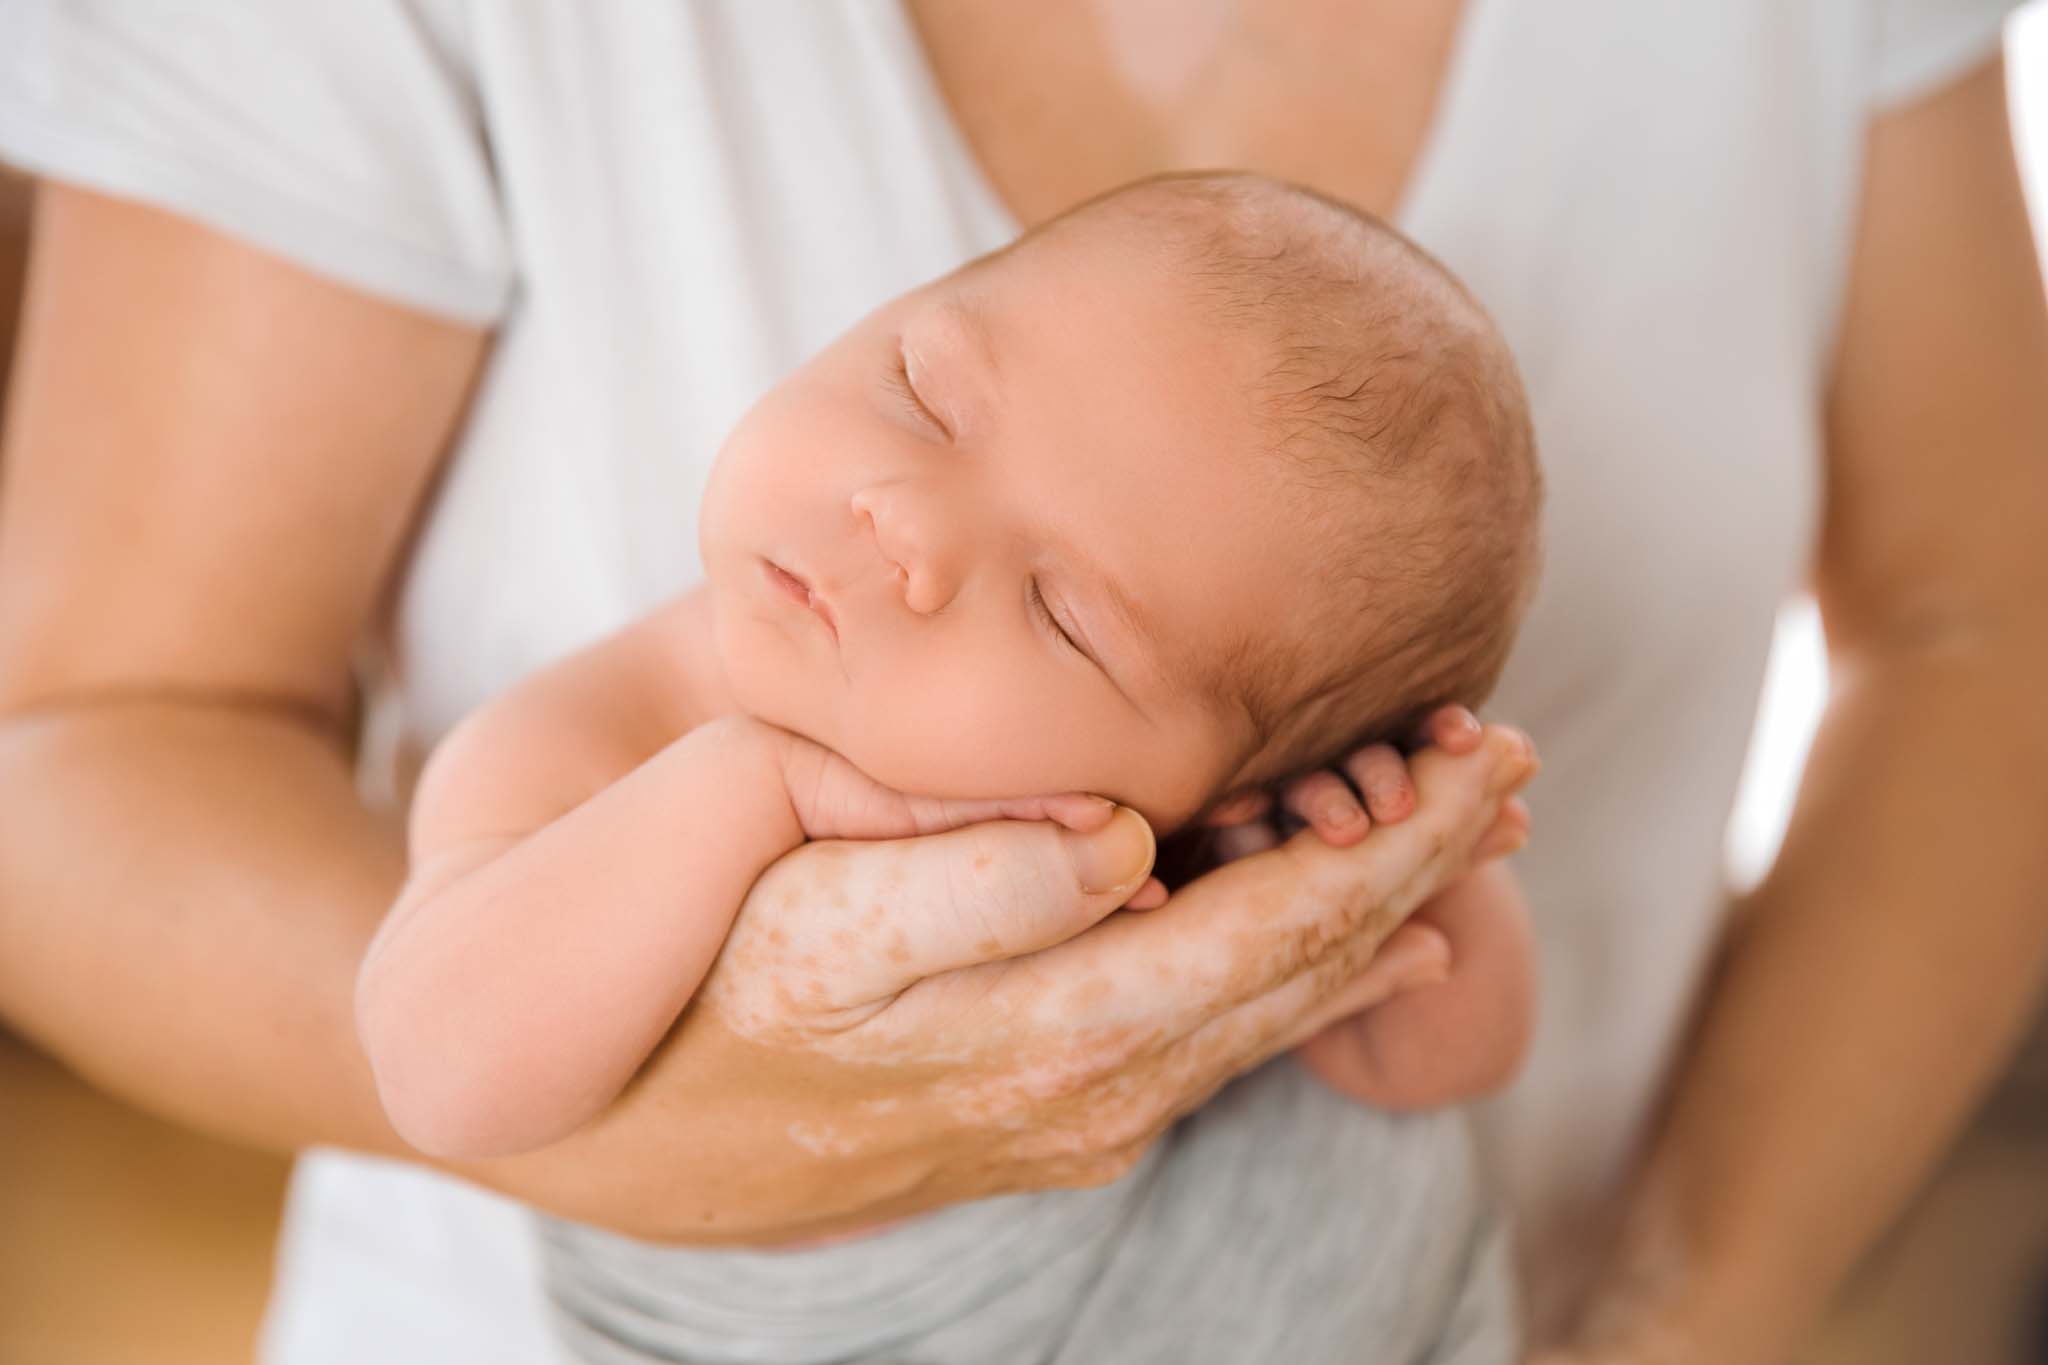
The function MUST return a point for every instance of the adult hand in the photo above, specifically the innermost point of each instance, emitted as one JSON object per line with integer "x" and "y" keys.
{"x": 897, "y": 1026}
{"x": 1366, "y": 787}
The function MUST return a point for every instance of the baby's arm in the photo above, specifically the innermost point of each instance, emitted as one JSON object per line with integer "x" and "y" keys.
{"x": 576, "y": 862}
{"x": 1455, "y": 1039}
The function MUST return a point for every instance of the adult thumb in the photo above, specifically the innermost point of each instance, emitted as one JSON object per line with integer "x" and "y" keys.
{"x": 1012, "y": 887}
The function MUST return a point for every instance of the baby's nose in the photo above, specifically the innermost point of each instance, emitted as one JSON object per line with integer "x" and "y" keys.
{"x": 914, "y": 541}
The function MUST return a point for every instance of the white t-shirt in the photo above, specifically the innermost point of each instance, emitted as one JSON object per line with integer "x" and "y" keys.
{"x": 665, "y": 206}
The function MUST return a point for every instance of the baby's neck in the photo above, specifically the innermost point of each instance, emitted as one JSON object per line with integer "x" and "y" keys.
{"x": 702, "y": 693}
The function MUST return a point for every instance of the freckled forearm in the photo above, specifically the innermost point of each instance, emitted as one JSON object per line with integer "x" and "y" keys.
{"x": 1873, "y": 986}
{"x": 511, "y": 1004}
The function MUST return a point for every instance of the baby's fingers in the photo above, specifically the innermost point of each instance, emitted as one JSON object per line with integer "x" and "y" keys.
{"x": 1241, "y": 841}
{"x": 1077, "y": 811}
{"x": 1453, "y": 729}
{"x": 1150, "y": 896}
{"x": 1382, "y": 775}
{"x": 1242, "y": 809}
{"x": 1322, "y": 801}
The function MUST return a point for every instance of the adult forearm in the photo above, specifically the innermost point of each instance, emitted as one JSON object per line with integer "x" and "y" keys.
{"x": 1871, "y": 988}
{"x": 184, "y": 893}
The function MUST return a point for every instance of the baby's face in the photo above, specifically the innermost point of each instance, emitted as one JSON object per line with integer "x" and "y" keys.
{"x": 990, "y": 542}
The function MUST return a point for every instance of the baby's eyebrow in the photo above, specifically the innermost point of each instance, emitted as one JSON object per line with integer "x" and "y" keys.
{"x": 970, "y": 319}
{"x": 1129, "y": 615}
{"x": 1127, "y": 611}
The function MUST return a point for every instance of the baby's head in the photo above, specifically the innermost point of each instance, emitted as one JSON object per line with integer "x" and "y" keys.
{"x": 1188, "y": 490}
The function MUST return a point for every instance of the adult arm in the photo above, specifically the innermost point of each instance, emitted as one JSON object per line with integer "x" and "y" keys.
{"x": 190, "y": 545}
{"x": 211, "y": 467}
{"x": 1875, "y": 981}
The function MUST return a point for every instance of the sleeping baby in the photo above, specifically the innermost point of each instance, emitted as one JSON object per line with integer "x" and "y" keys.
{"x": 1182, "y": 495}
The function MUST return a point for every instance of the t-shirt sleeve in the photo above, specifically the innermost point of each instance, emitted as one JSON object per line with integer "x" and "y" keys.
{"x": 343, "y": 135}
{"x": 1922, "y": 43}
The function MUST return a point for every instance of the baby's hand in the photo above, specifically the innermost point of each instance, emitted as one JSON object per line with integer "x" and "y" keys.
{"x": 1371, "y": 785}
{"x": 835, "y": 800}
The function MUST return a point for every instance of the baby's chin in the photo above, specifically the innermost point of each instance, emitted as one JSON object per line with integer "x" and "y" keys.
{"x": 931, "y": 768}
{"x": 970, "y": 773}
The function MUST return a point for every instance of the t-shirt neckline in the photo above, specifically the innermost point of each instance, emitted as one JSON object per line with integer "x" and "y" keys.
{"x": 1424, "y": 171}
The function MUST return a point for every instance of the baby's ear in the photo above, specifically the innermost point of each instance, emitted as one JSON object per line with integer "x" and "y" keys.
{"x": 1238, "y": 808}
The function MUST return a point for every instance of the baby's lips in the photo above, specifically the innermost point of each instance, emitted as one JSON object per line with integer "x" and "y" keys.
{"x": 1114, "y": 857}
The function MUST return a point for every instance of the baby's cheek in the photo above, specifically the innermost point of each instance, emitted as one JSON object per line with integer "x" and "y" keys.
{"x": 769, "y": 679}
{"x": 936, "y": 734}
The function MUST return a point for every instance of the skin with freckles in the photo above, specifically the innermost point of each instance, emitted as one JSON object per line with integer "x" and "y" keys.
{"x": 985, "y": 544}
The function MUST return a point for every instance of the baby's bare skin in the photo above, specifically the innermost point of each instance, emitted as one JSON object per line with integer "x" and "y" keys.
{"x": 954, "y": 566}
{"x": 467, "y": 1064}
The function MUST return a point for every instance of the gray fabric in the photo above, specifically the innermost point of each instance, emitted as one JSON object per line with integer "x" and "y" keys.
{"x": 1281, "y": 1222}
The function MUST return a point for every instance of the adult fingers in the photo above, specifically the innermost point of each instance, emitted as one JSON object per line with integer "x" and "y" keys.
{"x": 1342, "y": 982}
{"x": 1189, "y": 1070}
{"x": 1297, "y": 1010}
{"x": 1415, "y": 954}
{"x": 1301, "y": 909}
{"x": 1509, "y": 834}
{"x": 1002, "y": 889}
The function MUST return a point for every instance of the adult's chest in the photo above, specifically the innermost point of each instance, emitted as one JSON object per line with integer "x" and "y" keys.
{"x": 700, "y": 195}
{"x": 1064, "y": 99}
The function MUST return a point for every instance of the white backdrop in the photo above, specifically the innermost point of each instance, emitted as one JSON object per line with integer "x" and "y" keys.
{"x": 1796, "y": 683}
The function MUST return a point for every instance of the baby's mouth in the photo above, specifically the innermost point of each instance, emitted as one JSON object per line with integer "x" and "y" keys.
{"x": 801, "y": 591}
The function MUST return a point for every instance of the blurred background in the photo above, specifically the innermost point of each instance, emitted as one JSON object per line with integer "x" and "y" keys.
{"x": 94, "y": 1193}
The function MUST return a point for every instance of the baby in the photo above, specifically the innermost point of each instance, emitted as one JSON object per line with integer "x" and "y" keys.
{"x": 1185, "y": 493}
